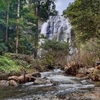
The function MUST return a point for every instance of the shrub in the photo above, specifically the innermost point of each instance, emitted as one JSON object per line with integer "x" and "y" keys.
{"x": 56, "y": 52}
{"x": 7, "y": 65}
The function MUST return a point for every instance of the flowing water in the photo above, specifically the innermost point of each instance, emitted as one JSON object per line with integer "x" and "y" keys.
{"x": 59, "y": 28}
{"x": 63, "y": 85}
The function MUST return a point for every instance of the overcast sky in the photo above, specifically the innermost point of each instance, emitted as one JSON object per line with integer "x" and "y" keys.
{"x": 62, "y": 5}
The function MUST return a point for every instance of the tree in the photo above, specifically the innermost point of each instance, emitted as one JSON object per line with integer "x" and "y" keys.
{"x": 84, "y": 16}
{"x": 55, "y": 52}
{"x": 43, "y": 9}
{"x": 19, "y": 23}
{"x": 7, "y": 20}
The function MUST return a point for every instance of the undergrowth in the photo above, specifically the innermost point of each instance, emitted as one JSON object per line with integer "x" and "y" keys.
{"x": 9, "y": 66}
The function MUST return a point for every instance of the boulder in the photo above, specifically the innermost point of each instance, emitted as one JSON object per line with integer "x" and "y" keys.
{"x": 79, "y": 75}
{"x": 22, "y": 78}
{"x": 4, "y": 83}
{"x": 13, "y": 78}
{"x": 36, "y": 74}
{"x": 53, "y": 82}
{"x": 13, "y": 83}
{"x": 95, "y": 74}
{"x": 40, "y": 81}
{"x": 82, "y": 70}
{"x": 72, "y": 68}
{"x": 89, "y": 70}
{"x": 25, "y": 78}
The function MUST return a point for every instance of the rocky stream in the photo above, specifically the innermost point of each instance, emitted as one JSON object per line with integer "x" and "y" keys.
{"x": 52, "y": 85}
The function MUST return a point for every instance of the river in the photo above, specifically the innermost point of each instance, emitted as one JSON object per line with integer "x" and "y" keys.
{"x": 62, "y": 86}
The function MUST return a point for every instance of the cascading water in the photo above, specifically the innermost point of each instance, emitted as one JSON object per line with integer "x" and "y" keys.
{"x": 59, "y": 28}
{"x": 62, "y": 85}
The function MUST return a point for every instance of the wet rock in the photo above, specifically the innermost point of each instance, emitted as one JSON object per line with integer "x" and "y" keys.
{"x": 90, "y": 70}
{"x": 72, "y": 68}
{"x": 95, "y": 74}
{"x": 92, "y": 73}
{"x": 53, "y": 82}
{"x": 13, "y": 78}
{"x": 82, "y": 70}
{"x": 22, "y": 78}
{"x": 36, "y": 74}
{"x": 13, "y": 83}
{"x": 79, "y": 75}
{"x": 40, "y": 81}
{"x": 4, "y": 83}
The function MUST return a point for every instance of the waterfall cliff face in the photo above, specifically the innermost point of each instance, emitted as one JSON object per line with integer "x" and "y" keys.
{"x": 58, "y": 27}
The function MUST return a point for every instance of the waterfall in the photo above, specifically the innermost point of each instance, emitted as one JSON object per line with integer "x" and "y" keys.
{"x": 44, "y": 28}
{"x": 58, "y": 27}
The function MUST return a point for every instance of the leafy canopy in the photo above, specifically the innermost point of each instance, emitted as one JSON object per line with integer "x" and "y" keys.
{"x": 84, "y": 16}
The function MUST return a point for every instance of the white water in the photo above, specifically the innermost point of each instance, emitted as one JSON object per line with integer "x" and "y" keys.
{"x": 64, "y": 86}
{"x": 57, "y": 27}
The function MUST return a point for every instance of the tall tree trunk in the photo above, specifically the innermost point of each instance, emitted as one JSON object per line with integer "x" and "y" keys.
{"x": 7, "y": 20}
{"x": 17, "y": 28}
{"x": 36, "y": 37}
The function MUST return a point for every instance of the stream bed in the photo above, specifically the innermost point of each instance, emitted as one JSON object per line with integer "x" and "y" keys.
{"x": 62, "y": 86}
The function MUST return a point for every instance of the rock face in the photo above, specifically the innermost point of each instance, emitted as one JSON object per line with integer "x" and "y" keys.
{"x": 57, "y": 27}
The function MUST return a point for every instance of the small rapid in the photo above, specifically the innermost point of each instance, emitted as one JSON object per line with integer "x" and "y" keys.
{"x": 60, "y": 85}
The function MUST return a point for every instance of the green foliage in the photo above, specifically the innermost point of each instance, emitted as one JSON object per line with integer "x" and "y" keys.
{"x": 56, "y": 52}
{"x": 54, "y": 45}
{"x": 7, "y": 65}
{"x": 45, "y": 8}
{"x": 27, "y": 23}
{"x": 84, "y": 16}
{"x": 3, "y": 47}
{"x": 48, "y": 60}
{"x": 12, "y": 63}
